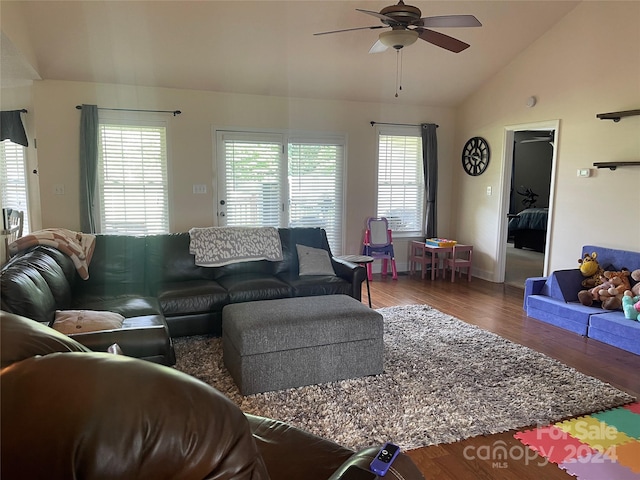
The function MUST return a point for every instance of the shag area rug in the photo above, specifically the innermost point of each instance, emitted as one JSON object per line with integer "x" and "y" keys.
{"x": 444, "y": 380}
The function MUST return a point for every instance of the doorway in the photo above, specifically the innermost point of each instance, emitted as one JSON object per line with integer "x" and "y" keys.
{"x": 529, "y": 170}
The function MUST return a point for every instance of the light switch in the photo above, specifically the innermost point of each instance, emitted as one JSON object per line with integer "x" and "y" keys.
{"x": 584, "y": 172}
{"x": 488, "y": 191}
{"x": 58, "y": 189}
{"x": 199, "y": 188}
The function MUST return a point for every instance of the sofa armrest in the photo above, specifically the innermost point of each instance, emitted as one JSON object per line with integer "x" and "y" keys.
{"x": 352, "y": 273}
{"x": 532, "y": 286}
{"x": 153, "y": 421}
{"x": 403, "y": 467}
{"x": 22, "y": 338}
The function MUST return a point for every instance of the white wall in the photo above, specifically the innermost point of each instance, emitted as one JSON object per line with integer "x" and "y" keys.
{"x": 191, "y": 145}
{"x": 588, "y": 63}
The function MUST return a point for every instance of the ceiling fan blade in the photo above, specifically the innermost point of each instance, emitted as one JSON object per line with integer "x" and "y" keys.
{"x": 450, "y": 21}
{"x": 378, "y": 47}
{"x": 375, "y": 27}
{"x": 441, "y": 40}
{"x": 378, "y": 15}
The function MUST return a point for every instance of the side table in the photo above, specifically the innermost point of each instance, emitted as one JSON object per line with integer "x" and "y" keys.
{"x": 362, "y": 260}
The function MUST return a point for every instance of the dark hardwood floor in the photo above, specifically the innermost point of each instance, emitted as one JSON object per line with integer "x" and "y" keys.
{"x": 498, "y": 308}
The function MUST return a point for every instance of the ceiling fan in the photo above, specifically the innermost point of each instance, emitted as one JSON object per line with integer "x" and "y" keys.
{"x": 407, "y": 26}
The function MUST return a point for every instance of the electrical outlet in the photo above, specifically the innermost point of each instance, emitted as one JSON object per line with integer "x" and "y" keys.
{"x": 58, "y": 189}
{"x": 489, "y": 191}
{"x": 199, "y": 188}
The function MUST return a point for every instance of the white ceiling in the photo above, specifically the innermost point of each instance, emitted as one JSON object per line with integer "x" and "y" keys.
{"x": 267, "y": 47}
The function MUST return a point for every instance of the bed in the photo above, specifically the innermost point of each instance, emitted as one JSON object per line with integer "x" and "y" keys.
{"x": 529, "y": 228}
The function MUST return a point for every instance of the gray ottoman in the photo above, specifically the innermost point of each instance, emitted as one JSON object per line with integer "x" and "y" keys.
{"x": 278, "y": 344}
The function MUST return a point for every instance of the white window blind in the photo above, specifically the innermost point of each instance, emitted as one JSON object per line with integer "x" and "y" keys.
{"x": 315, "y": 187}
{"x": 132, "y": 179}
{"x": 400, "y": 181}
{"x": 13, "y": 180}
{"x": 252, "y": 173}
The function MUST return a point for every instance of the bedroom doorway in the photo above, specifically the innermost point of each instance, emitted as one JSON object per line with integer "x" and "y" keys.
{"x": 530, "y": 153}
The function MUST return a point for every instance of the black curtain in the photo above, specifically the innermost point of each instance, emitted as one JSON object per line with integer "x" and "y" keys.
{"x": 88, "y": 166}
{"x": 430, "y": 166}
{"x": 11, "y": 127}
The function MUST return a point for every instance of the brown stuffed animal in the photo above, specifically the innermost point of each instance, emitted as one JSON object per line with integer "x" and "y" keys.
{"x": 635, "y": 289}
{"x": 609, "y": 293}
{"x": 591, "y": 270}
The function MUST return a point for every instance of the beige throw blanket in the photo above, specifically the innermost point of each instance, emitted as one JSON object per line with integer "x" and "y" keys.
{"x": 218, "y": 246}
{"x": 76, "y": 245}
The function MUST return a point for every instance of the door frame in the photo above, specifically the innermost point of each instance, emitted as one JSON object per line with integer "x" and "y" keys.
{"x": 507, "y": 170}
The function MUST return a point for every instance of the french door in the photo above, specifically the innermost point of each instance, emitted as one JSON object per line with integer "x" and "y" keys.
{"x": 281, "y": 180}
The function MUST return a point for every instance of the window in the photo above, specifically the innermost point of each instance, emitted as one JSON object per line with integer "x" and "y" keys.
{"x": 401, "y": 179}
{"x": 13, "y": 180}
{"x": 132, "y": 179}
{"x": 251, "y": 180}
{"x": 280, "y": 180}
{"x": 315, "y": 187}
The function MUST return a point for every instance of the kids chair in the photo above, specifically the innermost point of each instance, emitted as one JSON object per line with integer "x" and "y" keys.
{"x": 378, "y": 244}
{"x": 460, "y": 258}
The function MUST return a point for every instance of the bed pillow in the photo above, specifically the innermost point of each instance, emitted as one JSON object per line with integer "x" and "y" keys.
{"x": 314, "y": 261}
{"x": 81, "y": 321}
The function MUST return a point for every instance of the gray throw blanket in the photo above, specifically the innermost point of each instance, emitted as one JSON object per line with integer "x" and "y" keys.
{"x": 218, "y": 246}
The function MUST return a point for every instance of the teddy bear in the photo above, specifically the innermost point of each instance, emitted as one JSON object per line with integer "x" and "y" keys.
{"x": 610, "y": 292}
{"x": 631, "y": 306}
{"x": 591, "y": 270}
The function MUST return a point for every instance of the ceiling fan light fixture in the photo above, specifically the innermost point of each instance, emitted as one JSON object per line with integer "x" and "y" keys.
{"x": 398, "y": 38}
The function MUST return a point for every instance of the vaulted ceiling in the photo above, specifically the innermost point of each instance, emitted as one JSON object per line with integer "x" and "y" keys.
{"x": 268, "y": 48}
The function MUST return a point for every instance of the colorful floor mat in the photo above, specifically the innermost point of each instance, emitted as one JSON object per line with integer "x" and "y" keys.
{"x": 600, "y": 446}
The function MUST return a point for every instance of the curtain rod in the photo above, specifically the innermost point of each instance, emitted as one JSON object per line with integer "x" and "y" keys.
{"x": 23, "y": 110}
{"x": 174, "y": 112}
{"x": 397, "y": 124}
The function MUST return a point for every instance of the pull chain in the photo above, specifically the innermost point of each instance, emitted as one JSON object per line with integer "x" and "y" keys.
{"x": 398, "y": 71}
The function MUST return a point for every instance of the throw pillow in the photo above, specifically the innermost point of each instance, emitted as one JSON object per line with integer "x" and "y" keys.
{"x": 81, "y": 321}
{"x": 314, "y": 261}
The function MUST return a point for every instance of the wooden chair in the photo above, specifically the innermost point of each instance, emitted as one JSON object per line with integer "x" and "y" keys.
{"x": 14, "y": 223}
{"x": 419, "y": 255}
{"x": 460, "y": 258}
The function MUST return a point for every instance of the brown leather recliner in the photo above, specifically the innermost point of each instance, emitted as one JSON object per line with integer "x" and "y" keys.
{"x": 70, "y": 413}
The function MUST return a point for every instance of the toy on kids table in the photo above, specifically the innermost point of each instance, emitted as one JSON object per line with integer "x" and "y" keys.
{"x": 591, "y": 270}
{"x": 610, "y": 292}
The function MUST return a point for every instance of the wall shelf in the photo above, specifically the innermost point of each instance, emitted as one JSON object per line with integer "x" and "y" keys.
{"x": 614, "y": 165}
{"x": 616, "y": 116}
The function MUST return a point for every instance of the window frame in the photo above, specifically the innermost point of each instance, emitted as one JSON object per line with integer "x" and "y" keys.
{"x": 403, "y": 131}
{"x": 142, "y": 120}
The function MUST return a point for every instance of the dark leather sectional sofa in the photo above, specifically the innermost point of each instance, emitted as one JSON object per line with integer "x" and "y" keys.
{"x": 154, "y": 283}
{"x": 71, "y": 413}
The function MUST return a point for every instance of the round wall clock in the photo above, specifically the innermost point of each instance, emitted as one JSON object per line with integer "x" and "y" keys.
{"x": 475, "y": 156}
